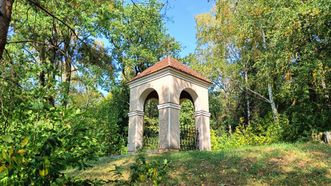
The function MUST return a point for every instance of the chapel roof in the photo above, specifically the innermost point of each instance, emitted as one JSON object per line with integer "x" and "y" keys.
{"x": 172, "y": 63}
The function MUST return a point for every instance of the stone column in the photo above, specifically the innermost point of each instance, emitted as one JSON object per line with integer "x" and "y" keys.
{"x": 169, "y": 134}
{"x": 136, "y": 130}
{"x": 203, "y": 129}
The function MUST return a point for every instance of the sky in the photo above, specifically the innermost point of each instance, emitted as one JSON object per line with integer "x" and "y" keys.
{"x": 182, "y": 22}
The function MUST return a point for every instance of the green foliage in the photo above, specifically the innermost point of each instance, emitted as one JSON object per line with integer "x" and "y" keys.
{"x": 256, "y": 49}
{"x": 109, "y": 117}
{"x": 55, "y": 67}
{"x": 44, "y": 147}
{"x": 139, "y": 38}
{"x": 186, "y": 116}
{"x": 188, "y": 133}
{"x": 151, "y": 125}
{"x": 260, "y": 132}
{"x": 57, "y": 138}
{"x": 52, "y": 114}
{"x": 153, "y": 172}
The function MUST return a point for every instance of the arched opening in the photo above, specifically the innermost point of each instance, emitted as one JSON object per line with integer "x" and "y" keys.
{"x": 151, "y": 122}
{"x": 188, "y": 132}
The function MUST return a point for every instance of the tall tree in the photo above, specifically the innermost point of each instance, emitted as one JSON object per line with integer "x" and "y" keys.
{"x": 274, "y": 51}
{"x": 62, "y": 49}
{"x": 139, "y": 38}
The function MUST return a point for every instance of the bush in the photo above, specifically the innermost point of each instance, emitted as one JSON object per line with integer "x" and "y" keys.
{"x": 148, "y": 172}
{"x": 39, "y": 140}
{"x": 43, "y": 147}
{"x": 260, "y": 132}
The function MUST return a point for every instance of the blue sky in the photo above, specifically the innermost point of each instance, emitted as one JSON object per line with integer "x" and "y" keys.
{"x": 182, "y": 22}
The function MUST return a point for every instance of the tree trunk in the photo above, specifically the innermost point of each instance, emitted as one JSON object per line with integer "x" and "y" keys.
{"x": 230, "y": 129}
{"x": 248, "y": 110}
{"x": 5, "y": 17}
{"x": 324, "y": 88}
{"x": 42, "y": 78}
{"x": 67, "y": 74}
{"x": 271, "y": 99}
{"x": 273, "y": 105}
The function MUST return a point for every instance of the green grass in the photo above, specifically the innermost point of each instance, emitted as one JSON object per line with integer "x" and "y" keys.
{"x": 278, "y": 164}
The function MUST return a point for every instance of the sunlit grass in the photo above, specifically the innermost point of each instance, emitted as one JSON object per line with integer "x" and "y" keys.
{"x": 278, "y": 164}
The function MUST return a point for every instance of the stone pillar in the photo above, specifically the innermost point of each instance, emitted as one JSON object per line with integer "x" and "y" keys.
{"x": 169, "y": 134}
{"x": 136, "y": 130}
{"x": 203, "y": 129}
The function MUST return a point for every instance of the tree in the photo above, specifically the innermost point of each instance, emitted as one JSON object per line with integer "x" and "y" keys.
{"x": 5, "y": 18}
{"x": 139, "y": 38}
{"x": 59, "y": 56}
{"x": 269, "y": 52}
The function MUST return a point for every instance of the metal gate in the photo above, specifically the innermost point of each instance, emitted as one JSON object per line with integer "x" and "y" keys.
{"x": 188, "y": 132}
{"x": 188, "y": 137}
{"x": 151, "y": 137}
{"x": 151, "y": 125}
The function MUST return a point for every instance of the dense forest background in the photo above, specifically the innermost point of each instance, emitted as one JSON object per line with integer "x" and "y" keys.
{"x": 65, "y": 67}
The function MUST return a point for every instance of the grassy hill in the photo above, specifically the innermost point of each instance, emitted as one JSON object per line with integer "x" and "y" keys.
{"x": 278, "y": 164}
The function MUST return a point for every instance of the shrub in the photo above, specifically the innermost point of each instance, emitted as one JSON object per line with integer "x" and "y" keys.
{"x": 259, "y": 132}
{"x": 148, "y": 172}
{"x": 43, "y": 147}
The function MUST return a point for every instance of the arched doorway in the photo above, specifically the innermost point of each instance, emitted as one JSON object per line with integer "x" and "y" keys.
{"x": 151, "y": 122}
{"x": 188, "y": 130}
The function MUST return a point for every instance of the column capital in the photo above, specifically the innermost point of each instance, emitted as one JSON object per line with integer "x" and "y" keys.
{"x": 136, "y": 113}
{"x": 201, "y": 113}
{"x": 168, "y": 105}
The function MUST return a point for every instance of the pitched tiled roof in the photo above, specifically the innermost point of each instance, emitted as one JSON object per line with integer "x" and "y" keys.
{"x": 172, "y": 63}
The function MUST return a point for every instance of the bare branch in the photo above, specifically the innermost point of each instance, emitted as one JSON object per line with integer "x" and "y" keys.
{"x": 253, "y": 92}
{"x": 135, "y": 4}
{"x": 25, "y": 41}
{"x": 31, "y": 55}
{"x": 259, "y": 95}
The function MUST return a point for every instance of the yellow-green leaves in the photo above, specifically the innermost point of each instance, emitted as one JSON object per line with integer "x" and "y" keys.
{"x": 45, "y": 167}
{"x": 24, "y": 142}
{"x": 43, "y": 172}
{"x": 6, "y": 138}
{"x": 2, "y": 168}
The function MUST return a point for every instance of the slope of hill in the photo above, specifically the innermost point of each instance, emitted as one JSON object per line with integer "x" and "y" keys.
{"x": 278, "y": 164}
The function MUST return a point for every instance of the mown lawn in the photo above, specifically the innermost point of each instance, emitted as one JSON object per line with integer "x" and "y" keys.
{"x": 278, "y": 164}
